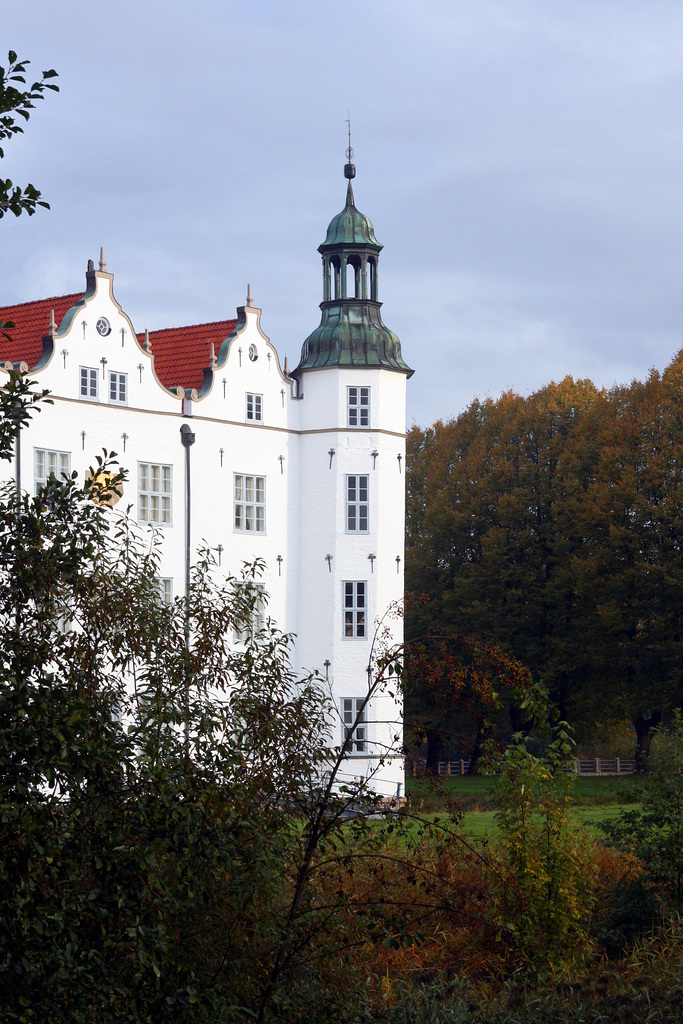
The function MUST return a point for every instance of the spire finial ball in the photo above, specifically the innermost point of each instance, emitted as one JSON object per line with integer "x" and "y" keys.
{"x": 349, "y": 171}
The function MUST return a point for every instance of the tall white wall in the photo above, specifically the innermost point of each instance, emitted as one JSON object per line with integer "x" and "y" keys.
{"x": 323, "y": 531}
{"x": 305, "y": 495}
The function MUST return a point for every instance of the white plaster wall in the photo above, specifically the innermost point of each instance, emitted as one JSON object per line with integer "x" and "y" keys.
{"x": 305, "y": 498}
{"x": 323, "y": 532}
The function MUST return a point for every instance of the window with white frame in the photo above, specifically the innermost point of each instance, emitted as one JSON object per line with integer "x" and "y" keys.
{"x": 154, "y": 493}
{"x": 250, "y": 503}
{"x": 357, "y": 488}
{"x": 257, "y": 619}
{"x": 118, "y": 387}
{"x": 358, "y": 407}
{"x": 354, "y": 724}
{"x": 47, "y": 463}
{"x": 254, "y": 408}
{"x": 88, "y": 378}
{"x": 355, "y": 609}
{"x": 165, "y": 589}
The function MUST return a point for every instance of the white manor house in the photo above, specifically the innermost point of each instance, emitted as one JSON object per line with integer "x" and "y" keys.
{"x": 224, "y": 445}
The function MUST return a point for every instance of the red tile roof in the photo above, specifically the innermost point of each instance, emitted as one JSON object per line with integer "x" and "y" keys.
{"x": 181, "y": 354}
{"x": 32, "y": 323}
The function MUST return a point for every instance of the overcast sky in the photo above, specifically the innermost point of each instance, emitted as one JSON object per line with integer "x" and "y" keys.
{"x": 522, "y": 162}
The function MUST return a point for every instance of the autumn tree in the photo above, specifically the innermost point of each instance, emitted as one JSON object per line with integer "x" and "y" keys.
{"x": 629, "y": 564}
{"x": 485, "y": 543}
{"x": 458, "y": 689}
{"x": 550, "y": 526}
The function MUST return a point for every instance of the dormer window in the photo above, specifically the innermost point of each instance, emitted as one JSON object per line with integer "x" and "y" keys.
{"x": 358, "y": 407}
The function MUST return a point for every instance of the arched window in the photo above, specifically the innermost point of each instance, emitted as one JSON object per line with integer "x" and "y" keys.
{"x": 353, "y": 285}
{"x": 349, "y": 278}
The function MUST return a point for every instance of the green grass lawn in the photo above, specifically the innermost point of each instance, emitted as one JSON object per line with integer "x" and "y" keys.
{"x": 595, "y": 799}
{"x": 476, "y": 792}
{"x": 481, "y": 824}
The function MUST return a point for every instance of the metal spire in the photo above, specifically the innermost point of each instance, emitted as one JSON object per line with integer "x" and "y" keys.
{"x": 349, "y": 168}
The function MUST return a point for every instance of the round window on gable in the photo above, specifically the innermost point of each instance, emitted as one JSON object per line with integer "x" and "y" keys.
{"x": 253, "y": 353}
{"x": 103, "y": 326}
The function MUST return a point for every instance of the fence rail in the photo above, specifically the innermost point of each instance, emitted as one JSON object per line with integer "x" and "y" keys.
{"x": 580, "y": 766}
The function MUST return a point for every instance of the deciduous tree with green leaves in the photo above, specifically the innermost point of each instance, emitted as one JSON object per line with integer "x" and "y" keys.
{"x": 154, "y": 793}
{"x": 170, "y": 808}
{"x": 17, "y": 102}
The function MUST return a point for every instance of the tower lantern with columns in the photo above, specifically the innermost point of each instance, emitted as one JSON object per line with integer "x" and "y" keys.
{"x": 352, "y": 379}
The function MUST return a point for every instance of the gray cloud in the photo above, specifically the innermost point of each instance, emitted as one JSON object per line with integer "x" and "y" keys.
{"x": 521, "y": 162}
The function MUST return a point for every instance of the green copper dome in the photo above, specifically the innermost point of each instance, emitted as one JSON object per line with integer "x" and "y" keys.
{"x": 350, "y": 227}
{"x": 351, "y": 332}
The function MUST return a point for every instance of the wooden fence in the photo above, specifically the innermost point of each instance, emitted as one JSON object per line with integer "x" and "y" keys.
{"x": 580, "y": 766}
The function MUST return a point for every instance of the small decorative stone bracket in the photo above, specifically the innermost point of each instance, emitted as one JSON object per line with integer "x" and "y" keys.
{"x": 372, "y": 562}
{"x": 328, "y": 559}
{"x": 331, "y": 454}
{"x": 279, "y": 560}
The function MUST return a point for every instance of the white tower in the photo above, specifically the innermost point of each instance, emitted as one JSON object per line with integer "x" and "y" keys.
{"x": 352, "y": 386}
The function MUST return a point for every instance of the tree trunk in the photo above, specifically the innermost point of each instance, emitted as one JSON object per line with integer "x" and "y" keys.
{"x": 563, "y": 697}
{"x": 434, "y": 748}
{"x": 645, "y": 728}
{"x": 476, "y": 749}
{"x": 518, "y": 722}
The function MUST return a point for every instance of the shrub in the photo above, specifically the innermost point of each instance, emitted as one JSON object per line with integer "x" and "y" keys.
{"x": 655, "y": 831}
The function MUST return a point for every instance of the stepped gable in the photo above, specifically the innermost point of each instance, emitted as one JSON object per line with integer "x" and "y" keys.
{"x": 32, "y": 324}
{"x": 181, "y": 354}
